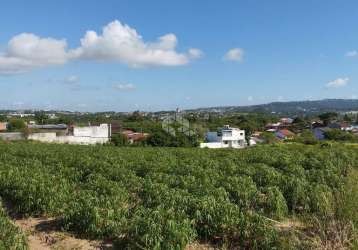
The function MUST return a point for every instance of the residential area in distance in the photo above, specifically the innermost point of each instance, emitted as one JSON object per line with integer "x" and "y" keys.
{"x": 209, "y": 129}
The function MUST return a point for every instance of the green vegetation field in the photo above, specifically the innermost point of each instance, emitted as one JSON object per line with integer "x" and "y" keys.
{"x": 170, "y": 198}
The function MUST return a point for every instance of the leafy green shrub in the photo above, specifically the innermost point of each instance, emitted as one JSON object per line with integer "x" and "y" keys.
{"x": 159, "y": 228}
{"x": 40, "y": 193}
{"x": 242, "y": 191}
{"x": 339, "y": 135}
{"x": 321, "y": 200}
{"x": 119, "y": 140}
{"x": 16, "y": 124}
{"x": 11, "y": 237}
{"x": 306, "y": 137}
{"x": 295, "y": 193}
{"x": 274, "y": 204}
{"x": 96, "y": 216}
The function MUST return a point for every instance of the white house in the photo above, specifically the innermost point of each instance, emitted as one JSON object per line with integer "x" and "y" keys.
{"x": 225, "y": 137}
{"x": 81, "y": 135}
{"x": 101, "y": 131}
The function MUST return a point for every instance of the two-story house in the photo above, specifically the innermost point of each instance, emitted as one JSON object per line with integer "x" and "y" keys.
{"x": 225, "y": 137}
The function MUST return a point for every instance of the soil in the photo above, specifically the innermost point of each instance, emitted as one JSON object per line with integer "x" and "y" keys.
{"x": 45, "y": 234}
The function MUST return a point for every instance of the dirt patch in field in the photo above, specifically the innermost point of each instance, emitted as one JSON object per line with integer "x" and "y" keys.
{"x": 200, "y": 246}
{"x": 43, "y": 233}
{"x": 290, "y": 224}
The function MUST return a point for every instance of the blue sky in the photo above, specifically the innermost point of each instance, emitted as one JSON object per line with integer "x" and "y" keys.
{"x": 159, "y": 55}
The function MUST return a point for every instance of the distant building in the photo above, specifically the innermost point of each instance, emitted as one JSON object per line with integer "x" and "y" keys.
{"x": 225, "y": 137}
{"x": 355, "y": 130}
{"x": 101, "y": 131}
{"x": 255, "y": 140}
{"x": 59, "y": 129}
{"x": 3, "y": 126}
{"x": 270, "y": 127}
{"x": 286, "y": 121}
{"x": 75, "y": 135}
{"x": 317, "y": 124}
{"x": 133, "y": 137}
{"x": 284, "y": 134}
{"x": 346, "y": 126}
{"x": 335, "y": 125}
{"x": 52, "y": 116}
{"x": 319, "y": 132}
{"x": 256, "y": 134}
{"x": 21, "y": 115}
{"x": 47, "y": 126}
{"x": 282, "y": 124}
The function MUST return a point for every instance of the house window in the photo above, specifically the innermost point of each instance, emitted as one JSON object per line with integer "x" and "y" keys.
{"x": 226, "y": 134}
{"x": 241, "y": 133}
{"x": 226, "y": 142}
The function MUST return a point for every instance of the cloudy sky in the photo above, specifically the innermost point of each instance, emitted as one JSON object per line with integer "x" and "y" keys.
{"x": 153, "y": 55}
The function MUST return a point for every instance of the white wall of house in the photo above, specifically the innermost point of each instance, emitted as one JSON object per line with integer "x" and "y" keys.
{"x": 12, "y": 136}
{"x": 100, "y": 131}
{"x": 214, "y": 145}
{"x": 69, "y": 139}
{"x": 84, "y": 135}
{"x": 85, "y": 140}
{"x": 43, "y": 137}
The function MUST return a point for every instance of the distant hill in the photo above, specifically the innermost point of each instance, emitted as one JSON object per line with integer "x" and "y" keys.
{"x": 289, "y": 108}
{"x": 294, "y": 107}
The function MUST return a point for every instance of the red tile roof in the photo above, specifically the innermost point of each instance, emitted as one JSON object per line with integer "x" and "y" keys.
{"x": 286, "y": 132}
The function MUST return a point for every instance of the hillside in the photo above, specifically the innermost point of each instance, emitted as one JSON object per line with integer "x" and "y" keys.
{"x": 294, "y": 107}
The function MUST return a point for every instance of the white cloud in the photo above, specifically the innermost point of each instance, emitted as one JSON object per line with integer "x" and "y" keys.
{"x": 72, "y": 79}
{"x": 250, "y": 98}
{"x": 195, "y": 53}
{"x": 119, "y": 42}
{"x": 28, "y": 51}
{"x": 124, "y": 86}
{"x": 352, "y": 53}
{"x": 339, "y": 82}
{"x": 236, "y": 54}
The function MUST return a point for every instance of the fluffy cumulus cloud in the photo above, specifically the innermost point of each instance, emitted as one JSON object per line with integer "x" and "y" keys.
{"x": 352, "y": 53}
{"x": 236, "y": 54}
{"x": 339, "y": 82}
{"x": 27, "y": 51}
{"x": 124, "y": 86}
{"x": 117, "y": 42}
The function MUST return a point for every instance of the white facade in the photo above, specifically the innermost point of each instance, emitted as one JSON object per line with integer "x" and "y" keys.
{"x": 81, "y": 135}
{"x": 226, "y": 137}
{"x": 101, "y": 131}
